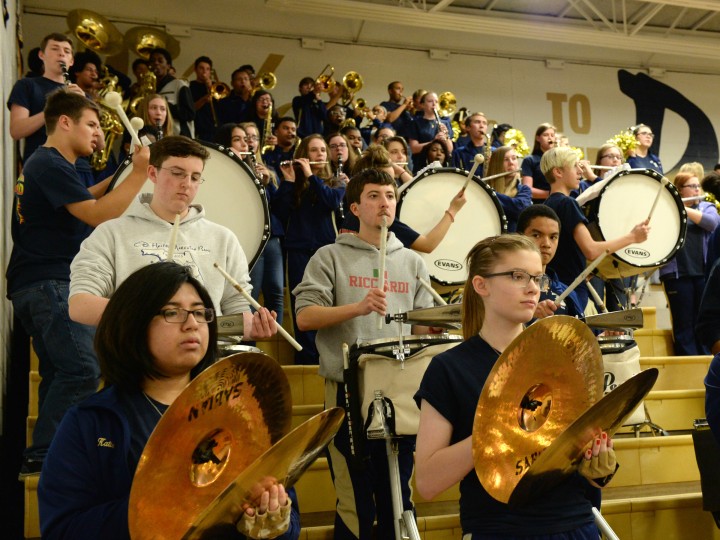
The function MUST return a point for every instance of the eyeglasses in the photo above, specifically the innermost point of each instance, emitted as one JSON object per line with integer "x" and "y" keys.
{"x": 691, "y": 186}
{"x": 252, "y": 138}
{"x": 337, "y": 146}
{"x": 648, "y": 133}
{"x": 522, "y": 279}
{"x": 612, "y": 156}
{"x": 180, "y": 175}
{"x": 180, "y": 315}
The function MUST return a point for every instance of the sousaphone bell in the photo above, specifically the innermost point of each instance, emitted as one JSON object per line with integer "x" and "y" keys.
{"x": 95, "y": 31}
{"x": 143, "y": 39}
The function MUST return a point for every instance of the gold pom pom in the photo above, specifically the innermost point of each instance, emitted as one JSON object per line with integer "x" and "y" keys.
{"x": 516, "y": 139}
{"x": 579, "y": 152}
{"x": 625, "y": 141}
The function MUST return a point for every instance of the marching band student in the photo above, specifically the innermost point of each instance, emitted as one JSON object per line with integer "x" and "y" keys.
{"x": 85, "y": 72}
{"x": 498, "y": 135}
{"x": 234, "y": 137}
{"x": 257, "y": 112}
{"x": 116, "y": 249}
{"x": 306, "y": 201}
{"x": 234, "y": 108}
{"x": 502, "y": 290}
{"x": 28, "y": 96}
{"x": 53, "y": 213}
{"x": 399, "y": 109}
{"x": 398, "y": 150}
{"x": 435, "y": 151}
{"x": 355, "y": 138}
{"x": 339, "y": 298}
{"x": 542, "y": 225}
{"x": 559, "y": 166}
{"x": 339, "y": 151}
{"x": 155, "y": 112}
{"x": 532, "y": 174}
{"x": 513, "y": 194}
{"x": 641, "y": 157}
{"x": 205, "y": 119}
{"x": 309, "y": 109}
{"x": 176, "y": 92}
{"x": 379, "y": 135}
{"x": 285, "y": 141}
{"x": 157, "y": 333}
{"x": 683, "y": 278}
{"x": 267, "y": 174}
{"x": 426, "y": 129}
{"x": 463, "y": 157}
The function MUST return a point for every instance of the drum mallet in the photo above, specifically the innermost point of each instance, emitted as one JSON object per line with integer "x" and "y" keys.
{"x": 663, "y": 182}
{"x": 479, "y": 160}
{"x": 604, "y": 526}
{"x": 114, "y": 101}
{"x": 381, "y": 276}
{"x": 438, "y": 299}
{"x": 578, "y": 280}
{"x": 257, "y": 306}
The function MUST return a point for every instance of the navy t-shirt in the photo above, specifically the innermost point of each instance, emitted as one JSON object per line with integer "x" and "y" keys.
{"x": 452, "y": 385}
{"x": 531, "y": 167}
{"x": 569, "y": 261}
{"x": 46, "y": 236}
{"x": 31, "y": 93}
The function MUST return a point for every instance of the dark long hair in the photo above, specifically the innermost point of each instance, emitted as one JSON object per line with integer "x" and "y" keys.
{"x": 121, "y": 339}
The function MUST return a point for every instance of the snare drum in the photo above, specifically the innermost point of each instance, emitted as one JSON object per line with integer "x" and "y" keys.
{"x": 422, "y": 205}
{"x": 230, "y": 195}
{"x": 624, "y": 202}
{"x": 378, "y": 368}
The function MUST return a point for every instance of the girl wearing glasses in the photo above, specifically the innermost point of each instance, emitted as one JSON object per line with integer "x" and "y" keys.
{"x": 642, "y": 158}
{"x": 501, "y": 293}
{"x": 684, "y": 277}
{"x": 157, "y": 333}
{"x": 339, "y": 151}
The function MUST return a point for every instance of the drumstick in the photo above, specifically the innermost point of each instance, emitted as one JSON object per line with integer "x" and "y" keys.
{"x": 173, "y": 238}
{"x": 257, "y": 306}
{"x": 114, "y": 101}
{"x": 663, "y": 182}
{"x": 494, "y": 176}
{"x": 479, "y": 160}
{"x": 439, "y": 299}
{"x": 578, "y": 280}
{"x": 383, "y": 249}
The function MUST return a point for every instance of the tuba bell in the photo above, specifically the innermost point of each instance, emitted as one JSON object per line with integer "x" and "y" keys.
{"x": 265, "y": 80}
{"x": 143, "y": 39}
{"x": 325, "y": 80}
{"x": 447, "y": 103}
{"x": 95, "y": 31}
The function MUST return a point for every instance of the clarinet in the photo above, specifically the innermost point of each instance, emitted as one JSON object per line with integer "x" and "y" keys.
{"x": 338, "y": 172}
{"x": 65, "y": 74}
{"x": 159, "y": 128}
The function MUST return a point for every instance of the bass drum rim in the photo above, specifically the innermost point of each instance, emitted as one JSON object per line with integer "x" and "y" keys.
{"x": 612, "y": 267}
{"x": 251, "y": 176}
{"x": 460, "y": 172}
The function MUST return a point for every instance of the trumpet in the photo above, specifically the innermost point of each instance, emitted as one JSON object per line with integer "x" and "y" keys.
{"x": 325, "y": 80}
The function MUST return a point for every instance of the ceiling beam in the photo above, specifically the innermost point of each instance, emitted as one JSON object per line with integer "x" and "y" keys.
{"x": 710, "y": 5}
{"x": 546, "y": 29}
{"x": 441, "y": 5}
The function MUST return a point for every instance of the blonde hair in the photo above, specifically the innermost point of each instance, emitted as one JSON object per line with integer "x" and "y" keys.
{"x": 143, "y": 112}
{"x": 557, "y": 157}
{"x": 481, "y": 261}
{"x": 507, "y": 185}
{"x": 694, "y": 168}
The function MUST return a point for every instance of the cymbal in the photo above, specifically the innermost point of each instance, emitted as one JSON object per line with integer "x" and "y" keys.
{"x": 564, "y": 455}
{"x": 95, "y": 31}
{"x": 448, "y": 316}
{"x": 283, "y": 464}
{"x": 225, "y": 418}
{"x": 142, "y": 39}
{"x": 544, "y": 380}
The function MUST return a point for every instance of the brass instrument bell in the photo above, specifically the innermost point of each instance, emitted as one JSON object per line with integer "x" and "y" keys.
{"x": 447, "y": 103}
{"x": 325, "y": 80}
{"x": 353, "y": 81}
{"x": 95, "y": 31}
{"x": 266, "y": 80}
{"x": 218, "y": 90}
{"x": 143, "y": 39}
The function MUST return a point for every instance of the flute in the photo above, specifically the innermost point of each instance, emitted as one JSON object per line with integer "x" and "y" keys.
{"x": 257, "y": 306}
{"x": 499, "y": 175}
{"x": 291, "y": 161}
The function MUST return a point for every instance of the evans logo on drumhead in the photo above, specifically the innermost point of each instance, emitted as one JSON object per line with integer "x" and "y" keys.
{"x": 637, "y": 252}
{"x": 448, "y": 264}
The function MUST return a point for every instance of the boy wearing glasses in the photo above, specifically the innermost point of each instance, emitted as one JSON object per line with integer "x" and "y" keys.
{"x": 118, "y": 248}
{"x": 342, "y": 298}
{"x": 576, "y": 245}
{"x": 53, "y": 213}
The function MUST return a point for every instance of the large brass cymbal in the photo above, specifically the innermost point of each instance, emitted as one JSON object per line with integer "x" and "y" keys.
{"x": 143, "y": 39}
{"x": 564, "y": 455}
{"x": 544, "y": 380}
{"x": 448, "y": 316}
{"x": 95, "y": 31}
{"x": 226, "y": 418}
{"x": 283, "y": 463}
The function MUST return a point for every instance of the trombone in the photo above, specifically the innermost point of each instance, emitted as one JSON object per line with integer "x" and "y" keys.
{"x": 218, "y": 90}
{"x": 325, "y": 80}
{"x": 352, "y": 83}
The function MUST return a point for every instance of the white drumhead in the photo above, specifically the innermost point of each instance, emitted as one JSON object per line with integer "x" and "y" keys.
{"x": 231, "y": 196}
{"x": 423, "y": 204}
{"x": 626, "y": 201}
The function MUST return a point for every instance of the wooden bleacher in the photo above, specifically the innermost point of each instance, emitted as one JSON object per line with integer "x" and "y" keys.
{"x": 655, "y": 494}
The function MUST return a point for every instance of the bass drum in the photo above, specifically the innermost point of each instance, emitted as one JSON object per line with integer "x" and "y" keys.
{"x": 623, "y": 202}
{"x": 230, "y": 195}
{"x": 423, "y": 203}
